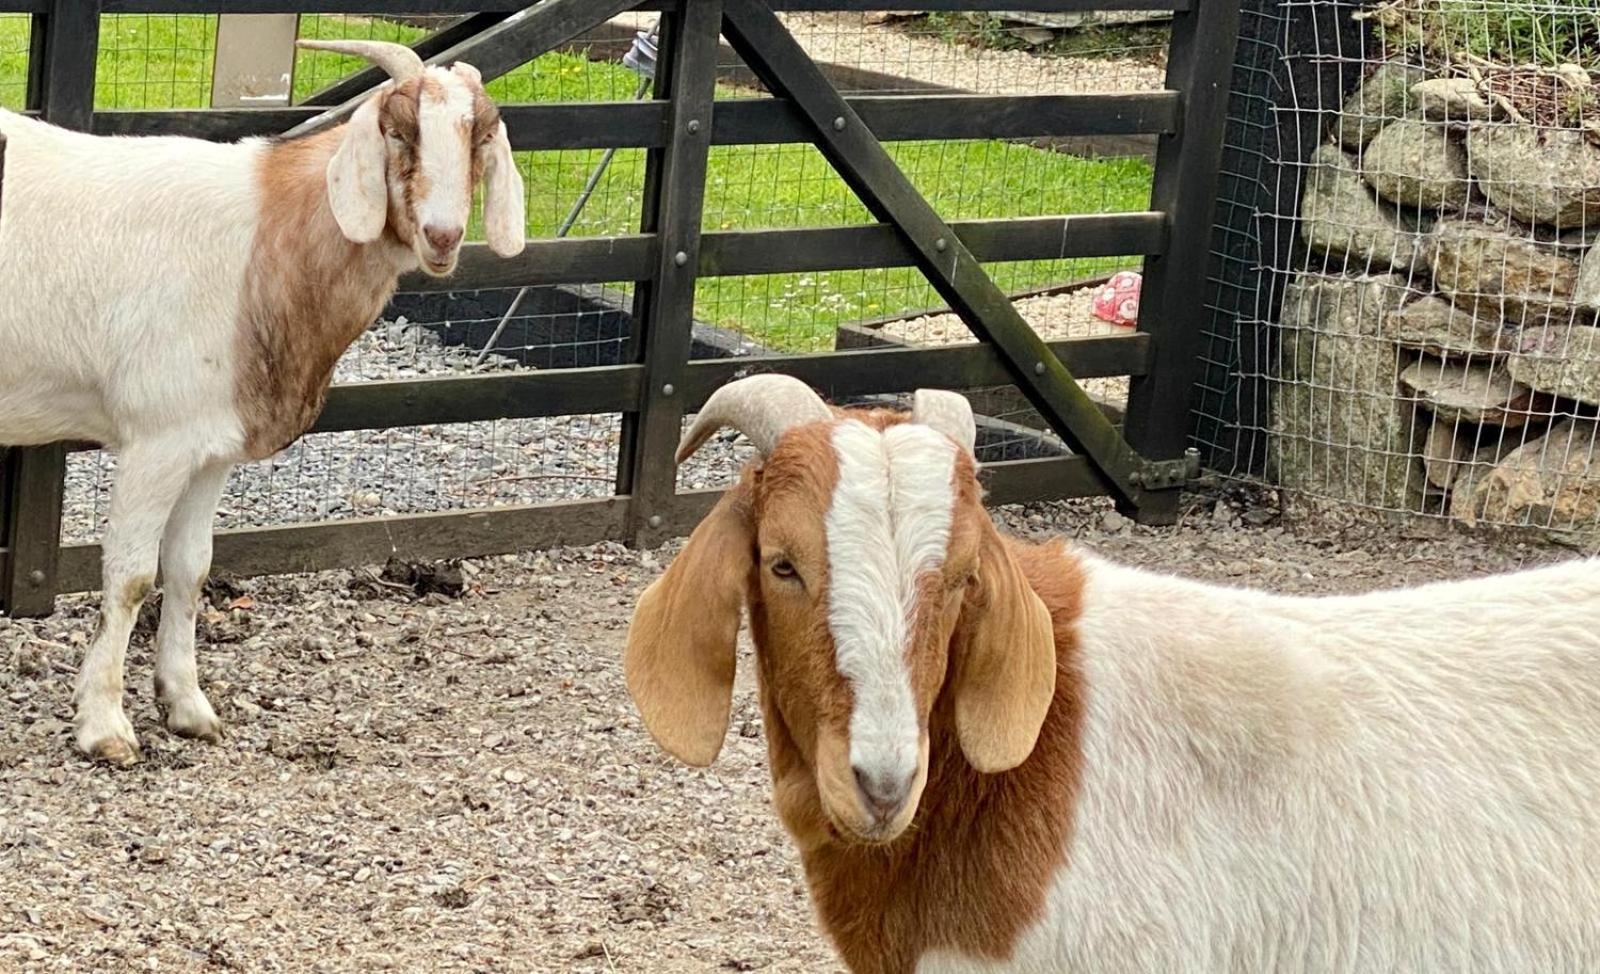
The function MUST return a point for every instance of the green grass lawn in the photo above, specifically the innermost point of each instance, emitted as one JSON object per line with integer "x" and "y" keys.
{"x": 150, "y": 61}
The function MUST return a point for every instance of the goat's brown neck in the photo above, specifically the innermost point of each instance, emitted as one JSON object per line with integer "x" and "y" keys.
{"x": 308, "y": 293}
{"x": 973, "y": 871}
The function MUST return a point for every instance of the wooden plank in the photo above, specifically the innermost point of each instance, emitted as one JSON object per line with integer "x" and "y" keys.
{"x": 748, "y": 121}
{"x": 729, "y": 253}
{"x": 71, "y": 38}
{"x": 733, "y": 253}
{"x": 900, "y": 118}
{"x": 1053, "y": 478}
{"x": 371, "y": 541}
{"x": 839, "y": 375}
{"x": 1006, "y": 482}
{"x": 39, "y": 29}
{"x": 573, "y": 260}
{"x": 32, "y": 528}
{"x": 952, "y": 269}
{"x": 664, "y": 306}
{"x": 471, "y": 399}
{"x": 607, "y": 125}
{"x": 212, "y": 124}
{"x": 1200, "y": 63}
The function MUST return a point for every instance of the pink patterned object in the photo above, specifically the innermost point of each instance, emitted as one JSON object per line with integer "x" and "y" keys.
{"x": 1117, "y": 300}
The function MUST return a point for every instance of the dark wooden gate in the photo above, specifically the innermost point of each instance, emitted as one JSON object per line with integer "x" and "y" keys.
{"x": 1141, "y": 465}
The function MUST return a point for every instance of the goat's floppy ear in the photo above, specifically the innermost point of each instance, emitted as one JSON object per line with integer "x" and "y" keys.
{"x": 505, "y": 220}
{"x": 358, "y": 185}
{"x": 680, "y": 654}
{"x": 1004, "y": 662}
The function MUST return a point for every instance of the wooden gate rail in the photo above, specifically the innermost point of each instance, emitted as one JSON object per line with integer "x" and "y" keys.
{"x": 670, "y": 253}
{"x": 744, "y": 121}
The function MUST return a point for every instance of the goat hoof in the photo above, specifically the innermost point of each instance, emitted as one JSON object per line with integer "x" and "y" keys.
{"x": 119, "y": 753}
{"x": 193, "y": 717}
{"x": 116, "y": 746}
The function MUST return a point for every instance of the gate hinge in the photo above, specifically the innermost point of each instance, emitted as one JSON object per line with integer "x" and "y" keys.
{"x": 1167, "y": 474}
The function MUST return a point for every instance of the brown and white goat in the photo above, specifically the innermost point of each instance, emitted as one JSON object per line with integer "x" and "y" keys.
{"x": 184, "y": 303}
{"x": 1001, "y": 757}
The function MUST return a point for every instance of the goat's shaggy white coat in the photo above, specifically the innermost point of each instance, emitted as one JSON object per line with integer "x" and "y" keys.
{"x": 1405, "y": 780}
{"x": 89, "y": 350}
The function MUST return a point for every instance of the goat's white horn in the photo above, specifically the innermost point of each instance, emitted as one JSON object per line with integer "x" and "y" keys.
{"x": 398, "y": 61}
{"x": 949, "y": 413}
{"x": 762, "y": 407}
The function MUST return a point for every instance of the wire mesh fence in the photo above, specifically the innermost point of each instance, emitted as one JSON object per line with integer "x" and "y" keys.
{"x": 169, "y": 61}
{"x": 1406, "y": 276}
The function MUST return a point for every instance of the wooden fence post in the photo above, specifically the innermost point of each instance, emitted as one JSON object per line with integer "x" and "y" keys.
{"x": 675, "y": 182}
{"x": 62, "y": 87}
{"x": 1200, "y": 65}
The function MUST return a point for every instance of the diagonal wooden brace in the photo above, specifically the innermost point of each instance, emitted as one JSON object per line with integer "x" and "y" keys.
{"x": 427, "y": 48}
{"x": 784, "y": 67}
{"x": 500, "y": 49}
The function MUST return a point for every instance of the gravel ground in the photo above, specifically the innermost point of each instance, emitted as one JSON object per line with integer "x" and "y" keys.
{"x": 462, "y": 785}
{"x": 909, "y": 51}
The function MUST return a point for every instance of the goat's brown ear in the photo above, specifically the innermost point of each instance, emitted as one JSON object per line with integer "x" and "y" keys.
{"x": 1004, "y": 659}
{"x": 358, "y": 177}
{"x": 680, "y": 654}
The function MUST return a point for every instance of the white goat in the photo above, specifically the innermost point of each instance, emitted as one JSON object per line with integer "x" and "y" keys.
{"x": 184, "y": 303}
{"x": 998, "y": 757}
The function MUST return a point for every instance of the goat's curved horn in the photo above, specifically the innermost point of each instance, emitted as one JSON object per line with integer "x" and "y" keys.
{"x": 762, "y": 407}
{"x": 398, "y": 61}
{"x": 949, "y": 413}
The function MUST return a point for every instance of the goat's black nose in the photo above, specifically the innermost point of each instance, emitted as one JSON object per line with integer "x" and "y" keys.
{"x": 883, "y": 792}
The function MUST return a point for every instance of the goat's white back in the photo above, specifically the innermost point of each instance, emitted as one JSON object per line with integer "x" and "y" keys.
{"x": 120, "y": 291}
{"x": 1403, "y": 781}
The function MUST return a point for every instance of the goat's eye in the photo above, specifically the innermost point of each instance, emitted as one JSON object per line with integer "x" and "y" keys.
{"x": 784, "y": 569}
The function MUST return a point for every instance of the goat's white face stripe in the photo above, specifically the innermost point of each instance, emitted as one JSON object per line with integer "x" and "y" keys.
{"x": 889, "y": 522}
{"x": 446, "y": 155}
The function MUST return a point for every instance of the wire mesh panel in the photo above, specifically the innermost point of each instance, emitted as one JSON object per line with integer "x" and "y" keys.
{"x": 156, "y": 60}
{"x": 1420, "y": 334}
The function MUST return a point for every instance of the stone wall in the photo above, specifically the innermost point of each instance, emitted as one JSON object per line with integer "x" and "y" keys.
{"x": 1440, "y": 350}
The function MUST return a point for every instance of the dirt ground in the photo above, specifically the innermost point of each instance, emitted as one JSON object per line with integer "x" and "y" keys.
{"x": 462, "y": 785}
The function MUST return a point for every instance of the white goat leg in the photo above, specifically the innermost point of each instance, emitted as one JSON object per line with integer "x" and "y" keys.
{"x": 185, "y": 563}
{"x": 151, "y": 476}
